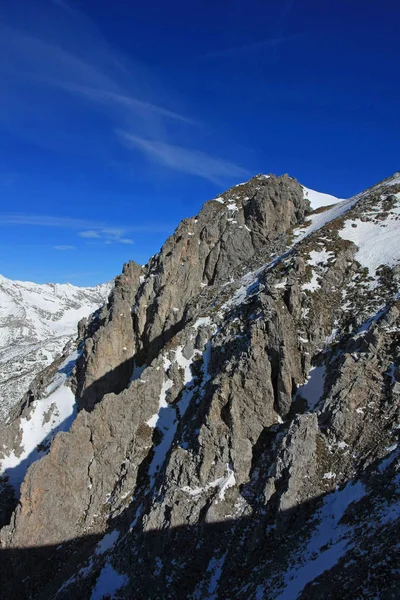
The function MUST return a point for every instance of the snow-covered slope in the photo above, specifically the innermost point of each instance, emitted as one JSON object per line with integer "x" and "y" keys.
{"x": 36, "y": 321}
{"x": 376, "y": 233}
{"x": 45, "y": 418}
{"x": 318, "y": 199}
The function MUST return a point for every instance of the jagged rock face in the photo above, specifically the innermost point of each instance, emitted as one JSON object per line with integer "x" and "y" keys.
{"x": 36, "y": 322}
{"x": 204, "y": 251}
{"x": 212, "y": 248}
{"x": 107, "y": 360}
{"x": 254, "y": 456}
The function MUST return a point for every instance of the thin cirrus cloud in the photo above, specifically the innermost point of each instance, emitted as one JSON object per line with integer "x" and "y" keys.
{"x": 89, "y": 230}
{"x": 108, "y": 235}
{"x": 44, "y": 76}
{"x": 127, "y": 102}
{"x": 254, "y": 46}
{"x": 186, "y": 160}
{"x": 80, "y": 224}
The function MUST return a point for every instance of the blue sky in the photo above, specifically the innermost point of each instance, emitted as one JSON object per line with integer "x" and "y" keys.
{"x": 118, "y": 119}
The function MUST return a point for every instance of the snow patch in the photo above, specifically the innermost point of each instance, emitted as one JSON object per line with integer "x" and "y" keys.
{"x": 108, "y": 583}
{"x": 318, "y": 220}
{"x": 319, "y": 257}
{"x": 107, "y": 542}
{"x": 202, "y": 322}
{"x": 162, "y": 402}
{"x": 329, "y": 542}
{"x": 318, "y": 199}
{"x": 313, "y": 389}
{"x": 223, "y": 483}
{"x": 48, "y": 415}
{"x": 378, "y": 242}
{"x": 313, "y": 285}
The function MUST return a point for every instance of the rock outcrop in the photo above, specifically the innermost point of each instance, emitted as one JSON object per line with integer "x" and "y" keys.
{"x": 107, "y": 359}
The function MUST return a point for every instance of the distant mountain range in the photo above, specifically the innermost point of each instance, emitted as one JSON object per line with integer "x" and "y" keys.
{"x": 36, "y": 321}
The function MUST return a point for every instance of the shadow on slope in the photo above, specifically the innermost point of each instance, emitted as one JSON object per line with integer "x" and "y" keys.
{"x": 118, "y": 378}
{"x": 309, "y": 551}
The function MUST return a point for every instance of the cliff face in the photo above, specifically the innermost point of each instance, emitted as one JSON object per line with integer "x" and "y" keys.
{"x": 151, "y": 304}
{"x": 238, "y": 415}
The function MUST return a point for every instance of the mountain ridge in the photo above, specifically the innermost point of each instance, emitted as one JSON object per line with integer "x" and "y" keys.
{"x": 238, "y": 415}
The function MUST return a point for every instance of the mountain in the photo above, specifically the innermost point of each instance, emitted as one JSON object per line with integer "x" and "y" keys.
{"x": 238, "y": 415}
{"x": 36, "y": 321}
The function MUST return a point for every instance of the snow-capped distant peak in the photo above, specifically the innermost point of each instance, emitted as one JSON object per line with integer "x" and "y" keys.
{"x": 318, "y": 199}
{"x": 36, "y": 321}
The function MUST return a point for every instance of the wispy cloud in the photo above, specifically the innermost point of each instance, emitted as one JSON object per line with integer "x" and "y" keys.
{"x": 127, "y": 102}
{"x": 185, "y": 160}
{"x": 248, "y": 48}
{"x": 79, "y": 224}
{"x": 108, "y": 235}
{"x": 64, "y": 247}
{"x": 44, "y": 77}
{"x": 92, "y": 235}
{"x": 45, "y": 221}
{"x": 89, "y": 71}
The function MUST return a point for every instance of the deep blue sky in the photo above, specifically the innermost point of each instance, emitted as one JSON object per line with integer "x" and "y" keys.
{"x": 120, "y": 118}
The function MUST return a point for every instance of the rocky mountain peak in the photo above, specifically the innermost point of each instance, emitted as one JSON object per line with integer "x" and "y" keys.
{"x": 232, "y": 234}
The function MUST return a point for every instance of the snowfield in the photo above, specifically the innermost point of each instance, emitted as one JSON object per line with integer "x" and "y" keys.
{"x": 54, "y": 413}
{"x": 377, "y": 241}
{"x": 318, "y": 199}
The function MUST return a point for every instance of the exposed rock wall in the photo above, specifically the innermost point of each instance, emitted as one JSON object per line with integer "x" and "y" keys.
{"x": 108, "y": 355}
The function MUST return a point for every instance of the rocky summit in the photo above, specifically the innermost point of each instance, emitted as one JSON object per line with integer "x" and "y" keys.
{"x": 231, "y": 415}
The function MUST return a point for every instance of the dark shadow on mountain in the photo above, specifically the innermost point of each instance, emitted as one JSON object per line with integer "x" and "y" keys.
{"x": 152, "y": 348}
{"x": 117, "y": 379}
{"x": 68, "y": 368}
{"x": 174, "y": 562}
{"x": 38, "y": 573}
{"x": 114, "y": 381}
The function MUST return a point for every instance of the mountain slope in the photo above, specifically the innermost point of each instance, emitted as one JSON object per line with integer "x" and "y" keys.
{"x": 239, "y": 415}
{"x": 36, "y": 321}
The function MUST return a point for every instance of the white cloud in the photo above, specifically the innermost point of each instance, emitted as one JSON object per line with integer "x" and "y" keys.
{"x": 108, "y": 235}
{"x": 64, "y": 247}
{"x": 186, "y": 160}
{"x": 88, "y": 228}
{"x": 89, "y": 234}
